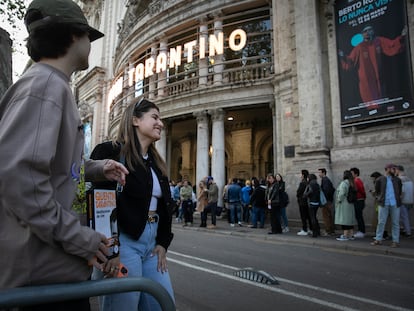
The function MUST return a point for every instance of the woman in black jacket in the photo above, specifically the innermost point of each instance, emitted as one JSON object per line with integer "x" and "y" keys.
{"x": 273, "y": 190}
{"x": 312, "y": 193}
{"x": 144, "y": 205}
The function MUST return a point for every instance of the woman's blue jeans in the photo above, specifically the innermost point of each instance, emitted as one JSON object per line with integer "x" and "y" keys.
{"x": 136, "y": 255}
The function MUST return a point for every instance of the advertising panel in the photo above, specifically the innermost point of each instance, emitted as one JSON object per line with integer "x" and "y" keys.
{"x": 374, "y": 60}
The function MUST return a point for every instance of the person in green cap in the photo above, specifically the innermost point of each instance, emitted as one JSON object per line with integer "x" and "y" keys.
{"x": 41, "y": 143}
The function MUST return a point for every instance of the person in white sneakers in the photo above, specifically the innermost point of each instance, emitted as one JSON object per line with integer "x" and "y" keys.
{"x": 344, "y": 210}
{"x": 303, "y": 204}
{"x": 360, "y": 203}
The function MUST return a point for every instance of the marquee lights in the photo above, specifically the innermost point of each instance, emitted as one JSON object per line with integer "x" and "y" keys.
{"x": 158, "y": 64}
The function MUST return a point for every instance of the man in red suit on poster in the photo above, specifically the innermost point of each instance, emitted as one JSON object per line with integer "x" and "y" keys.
{"x": 367, "y": 58}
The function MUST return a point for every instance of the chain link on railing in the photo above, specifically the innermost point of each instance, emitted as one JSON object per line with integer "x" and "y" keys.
{"x": 32, "y": 295}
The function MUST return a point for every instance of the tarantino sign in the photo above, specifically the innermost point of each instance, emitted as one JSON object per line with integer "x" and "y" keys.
{"x": 374, "y": 60}
{"x": 237, "y": 41}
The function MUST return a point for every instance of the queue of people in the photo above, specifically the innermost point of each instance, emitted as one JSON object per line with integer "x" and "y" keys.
{"x": 393, "y": 196}
{"x": 250, "y": 202}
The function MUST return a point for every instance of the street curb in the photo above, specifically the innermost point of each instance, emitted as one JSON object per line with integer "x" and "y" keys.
{"x": 406, "y": 249}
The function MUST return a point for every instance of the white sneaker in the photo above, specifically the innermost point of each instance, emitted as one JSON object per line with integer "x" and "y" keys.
{"x": 231, "y": 225}
{"x": 301, "y": 232}
{"x": 240, "y": 224}
{"x": 359, "y": 235}
{"x": 342, "y": 238}
{"x": 285, "y": 229}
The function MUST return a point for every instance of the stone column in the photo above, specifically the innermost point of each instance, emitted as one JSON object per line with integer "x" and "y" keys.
{"x": 203, "y": 62}
{"x": 202, "y": 164}
{"x": 272, "y": 106}
{"x": 282, "y": 35}
{"x": 332, "y": 72}
{"x": 218, "y": 154}
{"x": 218, "y": 59}
{"x": 311, "y": 85}
{"x": 309, "y": 73}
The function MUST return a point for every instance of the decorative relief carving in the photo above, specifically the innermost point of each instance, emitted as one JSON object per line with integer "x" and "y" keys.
{"x": 155, "y": 7}
{"x": 201, "y": 116}
{"x": 91, "y": 7}
{"x": 216, "y": 114}
{"x": 85, "y": 110}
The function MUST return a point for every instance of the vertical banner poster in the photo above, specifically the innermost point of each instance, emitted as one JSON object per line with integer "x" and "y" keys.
{"x": 374, "y": 60}
{"x": 101, "y": 215}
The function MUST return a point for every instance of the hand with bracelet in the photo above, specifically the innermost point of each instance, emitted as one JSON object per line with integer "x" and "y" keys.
{"x": 111, "y": 267}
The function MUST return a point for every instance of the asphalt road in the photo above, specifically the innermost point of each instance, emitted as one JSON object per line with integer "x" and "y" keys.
{"x": 311, "y": 275}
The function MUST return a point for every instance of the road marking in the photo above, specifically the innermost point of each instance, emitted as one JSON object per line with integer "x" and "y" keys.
{"x": 281, "y": 291}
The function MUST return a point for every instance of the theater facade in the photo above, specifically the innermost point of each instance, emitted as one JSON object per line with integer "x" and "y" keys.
{"x": 251, "y": 87}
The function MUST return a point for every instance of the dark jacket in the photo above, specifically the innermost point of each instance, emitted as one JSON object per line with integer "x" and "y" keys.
{"x": 133, "y": 202}
{"x": 302, "y": 201}
{"x": 327, "y": 188}
{"x": 258, "y": 198}
{"x": 312, "y": 192}
{"x": 273, "y": 193}
{"x": 380, "y": 187}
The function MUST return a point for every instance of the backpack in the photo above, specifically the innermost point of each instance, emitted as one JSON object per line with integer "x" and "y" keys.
{"x": 351, "y": 195}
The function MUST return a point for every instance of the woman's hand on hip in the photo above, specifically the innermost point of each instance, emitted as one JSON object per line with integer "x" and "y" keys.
{"x": 161, "y": 252}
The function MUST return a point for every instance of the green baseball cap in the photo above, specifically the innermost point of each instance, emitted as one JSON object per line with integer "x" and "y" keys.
{"x": 60, "y": 12}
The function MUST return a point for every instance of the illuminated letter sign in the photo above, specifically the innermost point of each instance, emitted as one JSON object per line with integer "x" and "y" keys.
{"x": 232, "y": 40}
{"x": 237, "y": 41}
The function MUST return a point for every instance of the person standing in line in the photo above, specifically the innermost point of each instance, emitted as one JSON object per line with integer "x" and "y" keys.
{"x": 186, "y": 198}
{"x": 258, "y": 202}
{"x": 407, "y": 199}
{"x": 234, "y": 197}
{"x": 41, "y": 143}
{"x": 283, "y": 203}
{"x": 360, "y": 203}
{"x": 388, "y": 193}
{"x": 303, "y": 204}
{"x": 273, "y": 203}
{"x": 212, "y": 204}
{"x": 327, "y": 210}
{"x": 312, "y": 193}
{"x": 172, "y": 186}
{"x": 202, "y": 196}
{"x": 225, "y": 200}
{"x": 344, "y": 210}
{"x": 176, "y": 196}
{"x": 374, "y": 177}
{"x": 246, "y": 192}
{"x": 144, "y": 206}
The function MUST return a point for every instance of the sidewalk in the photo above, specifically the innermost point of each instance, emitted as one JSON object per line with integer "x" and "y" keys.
{"x": 405, "y": 249}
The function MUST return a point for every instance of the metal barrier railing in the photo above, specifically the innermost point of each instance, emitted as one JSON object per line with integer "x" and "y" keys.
{"x": 32, "y": 295}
